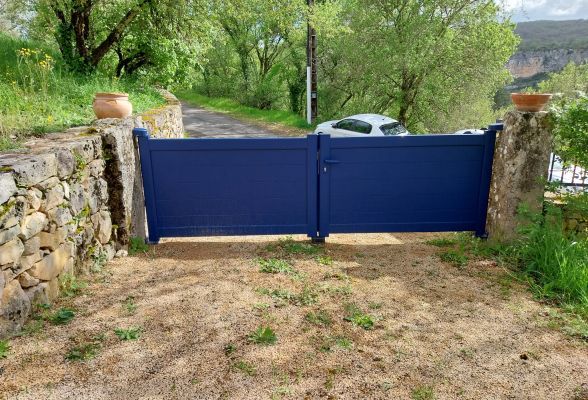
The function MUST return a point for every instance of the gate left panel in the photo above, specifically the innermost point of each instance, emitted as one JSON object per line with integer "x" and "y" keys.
{"x": 220, "y": 187}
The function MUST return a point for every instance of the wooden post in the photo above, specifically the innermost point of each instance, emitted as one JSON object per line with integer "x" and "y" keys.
{"x": 521, "y": 164}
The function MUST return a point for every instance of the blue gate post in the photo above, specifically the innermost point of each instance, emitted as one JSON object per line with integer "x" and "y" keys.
{"x": 489, "y": 145}
{"x": 142, "y": 136}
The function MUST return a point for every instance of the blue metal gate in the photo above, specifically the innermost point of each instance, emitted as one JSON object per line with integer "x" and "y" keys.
{"x": 316, "y": 185}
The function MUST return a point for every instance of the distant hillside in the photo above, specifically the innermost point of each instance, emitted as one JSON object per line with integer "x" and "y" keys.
{"x": 548, "y": 46}
{"x": 550, "y": 35}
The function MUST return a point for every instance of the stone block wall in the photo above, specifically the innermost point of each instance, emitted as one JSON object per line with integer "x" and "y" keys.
{"x": 68, "y": 204}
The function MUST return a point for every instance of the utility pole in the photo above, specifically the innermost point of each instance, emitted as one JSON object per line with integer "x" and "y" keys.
{"x": 311, "y": 72}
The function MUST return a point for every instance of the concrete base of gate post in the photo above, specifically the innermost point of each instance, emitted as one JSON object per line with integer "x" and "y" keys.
{"x": 521, "y": 162}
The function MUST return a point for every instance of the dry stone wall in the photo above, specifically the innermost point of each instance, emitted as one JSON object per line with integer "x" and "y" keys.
{"x": 68, "y": 204}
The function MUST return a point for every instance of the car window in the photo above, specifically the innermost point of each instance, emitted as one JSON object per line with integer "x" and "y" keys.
{"x": 393, "y": 129}
{"x": 361, "y": 127}
{"x": 345, "y": 124}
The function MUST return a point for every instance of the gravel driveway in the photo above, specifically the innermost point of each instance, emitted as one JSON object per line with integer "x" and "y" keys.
{"x": 367, "y": 316}
{"x": 199, "y": 123}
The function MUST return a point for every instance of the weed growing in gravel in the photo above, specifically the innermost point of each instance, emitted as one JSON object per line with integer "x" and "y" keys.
{"x": 32, "y": 327}
{"x": 263, "y": 335}
{"x": 137, "y": 245}
{"x": 245, "y": 367}
{"x": 4, "y": 348}
{"x": 129, "y": 305}
{"x": 229, "y": 349}
{"x": 357, "y": 317}
{"x": 261, "y": 306}
{"x": 344, "y": 343}
{"x": 340, "y": 276}
{"x": 324, "y": 260}
{"x": 128, "y": 334}
{"x": 423, "y": 393}
{"x": 276, "y": 266}
{"x": 307, "y": 296}
{"x": 454, "y": 257}
{"x": 291, "y": 247}
{"x": 344, "y": 290}
{"x": 319, "y": 318}
{"x": 83, "y": 352}
{"x": 70, "y": 286}
{"x": 442, "y": 242}
{"x": 62, "y": 316}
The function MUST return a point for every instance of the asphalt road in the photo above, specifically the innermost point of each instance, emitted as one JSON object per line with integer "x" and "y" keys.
{"x": 201, "y": 123}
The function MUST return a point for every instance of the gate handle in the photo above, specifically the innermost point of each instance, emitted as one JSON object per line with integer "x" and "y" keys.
{"x": 332, "y": 161}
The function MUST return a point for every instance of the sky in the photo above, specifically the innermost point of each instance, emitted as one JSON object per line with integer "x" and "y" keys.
{"x": 531, "y": 10}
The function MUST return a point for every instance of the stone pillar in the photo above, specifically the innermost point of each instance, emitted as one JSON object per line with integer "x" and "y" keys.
{"x": 521, "y": 162}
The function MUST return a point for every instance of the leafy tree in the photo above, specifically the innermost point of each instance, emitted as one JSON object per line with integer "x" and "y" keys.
{"x": 417, "y": 60}
{"x": 570, "y": 106}
{"x": 123, "y": 36}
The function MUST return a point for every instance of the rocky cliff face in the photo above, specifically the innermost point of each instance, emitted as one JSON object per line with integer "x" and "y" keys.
{"x": 526, "y": 64}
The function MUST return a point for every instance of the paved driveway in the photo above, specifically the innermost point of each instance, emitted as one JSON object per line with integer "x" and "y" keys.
{"x": 199, "y": 122}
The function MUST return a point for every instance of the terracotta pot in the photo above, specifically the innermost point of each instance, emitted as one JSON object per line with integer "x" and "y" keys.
{"x": 112, "y": 105}
{"x": 530, "y": 102}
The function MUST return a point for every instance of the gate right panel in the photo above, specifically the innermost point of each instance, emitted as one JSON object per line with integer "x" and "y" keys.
{"x": 420, "y": 183}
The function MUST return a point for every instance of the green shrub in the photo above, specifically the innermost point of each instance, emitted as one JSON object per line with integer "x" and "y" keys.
{"x": 556, "y": 261}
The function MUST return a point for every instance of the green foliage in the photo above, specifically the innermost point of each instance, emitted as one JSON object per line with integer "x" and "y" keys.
{"x": 292, "y": 247}
{"x": 229, "y": 349}
{"x": 82, "y": 352}
{"x": 245, "y": 367}
{"x": 275, "y": 266}
{"x": 556, "y": 261}
{"x": 320, "y": 317}
{"x": 137, "y": 245}
{"x": 258, "y": 58}
{"x": 71, "y": 286}
{"x": 128, "y": 334}
{"x": 62, "y": 316}
{"x": 357, "y": 317}
{"x": 324, "y": 260}
{"x": 423, "y": 393}
{"x": 4, "y": 348}
{"x": 37, "y": 95}
{"x": 263, "y": 335}
{"x": 454, "y": 257}
{"x": 129, "y": 305}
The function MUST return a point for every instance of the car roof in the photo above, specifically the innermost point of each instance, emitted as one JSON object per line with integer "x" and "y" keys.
{"x": 374, "y": 119}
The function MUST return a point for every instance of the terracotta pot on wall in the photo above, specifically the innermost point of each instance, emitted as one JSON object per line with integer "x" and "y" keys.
{"x": 531, "y": 102}
{"x": 112, "y": 105}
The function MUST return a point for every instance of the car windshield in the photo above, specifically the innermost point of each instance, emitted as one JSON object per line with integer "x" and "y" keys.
{"x": 393, "y": 129}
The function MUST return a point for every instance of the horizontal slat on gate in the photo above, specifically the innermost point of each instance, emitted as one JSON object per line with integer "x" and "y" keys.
{"x": 398, "y": 184}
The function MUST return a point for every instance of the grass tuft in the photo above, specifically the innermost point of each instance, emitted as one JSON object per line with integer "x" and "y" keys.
{"x": 137, "y": 245}
{"x": 4, "y": 348}
{"x": 263, "y": 335}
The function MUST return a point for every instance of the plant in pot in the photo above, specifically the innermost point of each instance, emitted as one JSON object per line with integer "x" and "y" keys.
{"x": 529, "y": 101}
{"x": 112, "y": 105}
